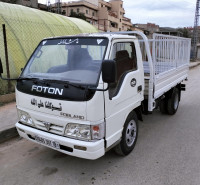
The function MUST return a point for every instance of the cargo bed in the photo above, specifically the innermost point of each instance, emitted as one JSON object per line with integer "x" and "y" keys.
{"x": 167, "y": 65}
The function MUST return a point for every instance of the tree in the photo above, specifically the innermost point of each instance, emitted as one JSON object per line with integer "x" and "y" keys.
{"x": 78, "y": 15}
{"x": 185, "y": 32}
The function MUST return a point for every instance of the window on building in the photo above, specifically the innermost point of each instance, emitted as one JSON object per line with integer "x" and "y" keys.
{"x": 71, "y": 10}
{"x": 121, "y": 5}
{"x": 86, "y": 11}
{"x": 120, "y": 29}
{"x": 64, "y": 12}
{"x": 78, "y": 10}
{"x": 113, "y": 24}
{"x": 124, "y": 54}
{"x": 93, "y": 14}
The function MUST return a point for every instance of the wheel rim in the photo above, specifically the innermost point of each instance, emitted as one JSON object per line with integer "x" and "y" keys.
{"x": 131, "y": 133}
{"x": 176, "y": 101}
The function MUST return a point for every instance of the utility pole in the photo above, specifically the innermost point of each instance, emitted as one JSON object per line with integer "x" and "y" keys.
{"x": 195, "y": 38}
{"x": 49, "y": 6}
{"x": 59, "y": 7}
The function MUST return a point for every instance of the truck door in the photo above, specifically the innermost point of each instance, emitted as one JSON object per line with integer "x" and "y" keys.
{"x": 127, "y": 93}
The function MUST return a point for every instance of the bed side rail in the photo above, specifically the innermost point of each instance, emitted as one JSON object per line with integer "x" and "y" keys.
{"x": 169, "y": 52}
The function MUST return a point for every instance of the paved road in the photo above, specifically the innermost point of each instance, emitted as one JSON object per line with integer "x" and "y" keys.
{"x": 167, "y": 153}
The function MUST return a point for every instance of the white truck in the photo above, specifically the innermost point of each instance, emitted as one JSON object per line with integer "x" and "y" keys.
{"x": 83, "y": 95}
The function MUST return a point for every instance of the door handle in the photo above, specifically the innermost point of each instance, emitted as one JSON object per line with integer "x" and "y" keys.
{"x": 139, "y": 89}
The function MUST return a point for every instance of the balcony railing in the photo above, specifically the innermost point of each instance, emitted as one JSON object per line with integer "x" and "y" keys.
{"x": 113, "y": 14}
{"x": 126, "y": 19}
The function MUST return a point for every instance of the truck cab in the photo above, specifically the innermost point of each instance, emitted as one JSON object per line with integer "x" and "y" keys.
{"x": 81, "y": 94}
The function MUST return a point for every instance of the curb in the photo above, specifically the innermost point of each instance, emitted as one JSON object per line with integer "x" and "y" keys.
{"x": 195, "y": 65}
{"x": 7, "y": 98}
{"x": 8, "y": 134}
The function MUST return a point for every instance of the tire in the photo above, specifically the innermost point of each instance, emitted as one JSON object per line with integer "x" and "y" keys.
{"x": 163, "y": 106}
{"x": 129, "y": 136}
{"x": 173, "y": 102}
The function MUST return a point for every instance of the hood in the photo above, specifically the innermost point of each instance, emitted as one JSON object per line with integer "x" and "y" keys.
{"x": 61, "y": 108}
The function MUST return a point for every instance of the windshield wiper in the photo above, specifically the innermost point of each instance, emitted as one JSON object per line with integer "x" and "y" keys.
{"x": 34, "y": 80}
{"x": 22, "y": 78}
{"x": 66, "y": 83}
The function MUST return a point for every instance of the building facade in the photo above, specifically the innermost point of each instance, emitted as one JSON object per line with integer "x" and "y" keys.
{"x": 148, "y": 28}
{"x": 170, "y": 31}
{"x": 111, "y": 16}
{"x": 89, "y": 9}
{"x": 106, "y": 16}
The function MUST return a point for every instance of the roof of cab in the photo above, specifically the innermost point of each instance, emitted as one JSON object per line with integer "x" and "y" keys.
{"x": 108, "y": 35}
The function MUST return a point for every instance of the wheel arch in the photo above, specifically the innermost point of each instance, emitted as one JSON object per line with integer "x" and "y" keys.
{"x": 170, "y": 92}
{"x": 137, "y": 111}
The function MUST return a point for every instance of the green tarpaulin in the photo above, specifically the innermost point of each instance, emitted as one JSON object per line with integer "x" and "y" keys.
{"x": 26, "y": 27}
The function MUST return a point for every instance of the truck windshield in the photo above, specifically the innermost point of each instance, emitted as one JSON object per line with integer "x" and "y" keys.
{"x": 76, "y": 60}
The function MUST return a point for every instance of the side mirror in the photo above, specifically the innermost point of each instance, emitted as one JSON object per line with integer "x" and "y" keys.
{"x": 1, "y": 67}
{"x": 109, "y": 71}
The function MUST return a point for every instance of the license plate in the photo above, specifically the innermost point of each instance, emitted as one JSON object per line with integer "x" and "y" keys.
{"x": 47, "y": 142}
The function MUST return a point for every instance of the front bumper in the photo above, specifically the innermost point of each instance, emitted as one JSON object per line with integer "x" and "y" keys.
{"x": 94, "y": 150}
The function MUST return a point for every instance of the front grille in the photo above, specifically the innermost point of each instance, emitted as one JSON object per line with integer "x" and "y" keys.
{"x": 56, "y": 129}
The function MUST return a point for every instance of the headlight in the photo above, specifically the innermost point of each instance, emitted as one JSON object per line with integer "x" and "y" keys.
{"x": 78, "y": 131}
{"x": 24, "y": 117}
{"x": 85, "y": 132}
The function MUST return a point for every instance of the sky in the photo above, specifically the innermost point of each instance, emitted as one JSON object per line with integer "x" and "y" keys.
{"x": 165, "y": 13}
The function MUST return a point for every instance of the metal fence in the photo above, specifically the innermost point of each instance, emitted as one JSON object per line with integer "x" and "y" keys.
{"x": 168, "y": 53}
{"x": 7, "y": 86}
{"x": 14, "y": 52}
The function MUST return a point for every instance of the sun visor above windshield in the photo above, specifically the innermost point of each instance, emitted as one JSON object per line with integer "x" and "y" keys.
{"x": 75, "y": 41}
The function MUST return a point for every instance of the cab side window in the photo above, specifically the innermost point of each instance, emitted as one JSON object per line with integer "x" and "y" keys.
{"x": 125, "y": 57}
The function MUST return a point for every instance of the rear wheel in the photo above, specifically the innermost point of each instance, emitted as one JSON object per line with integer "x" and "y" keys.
{"x": 173, "y": 101}
{"x": 129, "y": 136}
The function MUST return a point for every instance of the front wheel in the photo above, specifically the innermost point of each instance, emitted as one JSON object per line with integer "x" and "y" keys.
{"x": 129, "y": 136}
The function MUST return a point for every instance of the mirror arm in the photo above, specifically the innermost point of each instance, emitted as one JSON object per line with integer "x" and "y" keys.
{"x": 9, "y": 79}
